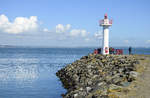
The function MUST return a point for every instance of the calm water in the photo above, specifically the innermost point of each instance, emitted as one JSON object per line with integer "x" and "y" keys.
{"x": 30, "y": 72}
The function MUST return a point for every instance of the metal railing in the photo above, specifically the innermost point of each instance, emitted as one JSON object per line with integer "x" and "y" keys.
{"x": 101, "y": 22}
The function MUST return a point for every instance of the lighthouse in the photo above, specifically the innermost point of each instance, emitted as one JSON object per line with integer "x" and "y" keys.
{"x": 105, "y": 23}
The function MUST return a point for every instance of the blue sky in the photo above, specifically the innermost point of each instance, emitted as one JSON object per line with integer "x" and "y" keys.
{"x": 73, "y": 23}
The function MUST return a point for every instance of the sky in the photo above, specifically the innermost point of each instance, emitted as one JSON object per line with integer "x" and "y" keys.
{"x": 74, "y": 23}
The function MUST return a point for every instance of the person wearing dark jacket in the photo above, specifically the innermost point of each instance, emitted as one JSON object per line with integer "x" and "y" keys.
{"x": 99, "y": 50}
{"x": 130, "y": 50}
{"x": 110, "y": 50}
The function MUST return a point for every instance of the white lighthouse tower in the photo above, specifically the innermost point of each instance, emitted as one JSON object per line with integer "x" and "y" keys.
{"x": 105, "y": 23}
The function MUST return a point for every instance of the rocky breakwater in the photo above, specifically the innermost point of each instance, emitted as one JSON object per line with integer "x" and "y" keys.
{"x": 98, "y": 76}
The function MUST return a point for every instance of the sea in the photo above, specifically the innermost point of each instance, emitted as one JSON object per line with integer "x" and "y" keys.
{"x": 27, "y": 72}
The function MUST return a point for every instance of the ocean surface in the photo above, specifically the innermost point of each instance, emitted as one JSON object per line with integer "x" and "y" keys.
{"x": 30, "y": 72}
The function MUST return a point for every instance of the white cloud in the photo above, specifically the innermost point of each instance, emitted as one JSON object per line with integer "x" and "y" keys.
{"x": 19, "y": 25}
{"x": 68, "y": 26}
{"x": 98, "y": 35}
{"x": 24, "y": 24}
{"x": 87, "y": 39}
{"x": 45, "y": 30}
{"x": 60, "y": 28}
{"x": 78, "y": 32}
{"x": 126, "y": 41}
{"x": 148, "y": 41}
{"x": 84, "y": 33}
{"x": 59, "y": 33}
{"x": 31, "y": 24}
{"x": 65, "y": 31}
{"x": 74, "y": 32}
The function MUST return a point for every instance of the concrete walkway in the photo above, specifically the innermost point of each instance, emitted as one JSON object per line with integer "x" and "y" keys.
{"x": 141, "y": 87}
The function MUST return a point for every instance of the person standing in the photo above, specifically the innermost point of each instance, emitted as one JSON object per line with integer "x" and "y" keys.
{"x": 130, "y": 50}
{"x": 99, "y": 50}
{"x": 113, "y": 51}
{"x": 110, "y": 50}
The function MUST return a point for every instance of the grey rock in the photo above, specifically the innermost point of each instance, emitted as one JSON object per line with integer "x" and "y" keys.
{"x": 88, "y": 89}
{"x": 95, "y": 75}
{"x": 75, "y": 95}
{"x": 133, "y": 74}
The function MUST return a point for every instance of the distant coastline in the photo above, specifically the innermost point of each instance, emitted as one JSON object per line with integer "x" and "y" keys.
{"x": 7, "y": 46}
{"x": 19, "y": 46}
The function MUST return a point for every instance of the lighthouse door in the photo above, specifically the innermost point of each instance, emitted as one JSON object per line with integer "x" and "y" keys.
{"x": 106, "y": 49}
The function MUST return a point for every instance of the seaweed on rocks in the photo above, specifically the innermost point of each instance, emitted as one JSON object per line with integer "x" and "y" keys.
{"x": 97, "y": 76}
